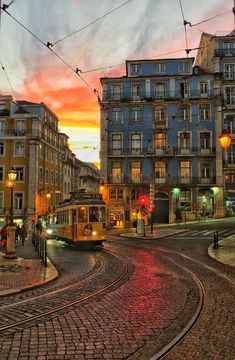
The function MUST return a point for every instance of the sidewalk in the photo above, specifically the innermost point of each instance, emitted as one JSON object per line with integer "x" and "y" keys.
{"x": 25, "y": 272}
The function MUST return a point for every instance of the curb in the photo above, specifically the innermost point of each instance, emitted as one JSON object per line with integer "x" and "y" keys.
{"x": 54, "y": 275}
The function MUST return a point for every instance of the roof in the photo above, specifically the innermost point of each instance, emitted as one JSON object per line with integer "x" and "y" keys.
{"x": 25, "y": 102}
{"x": 21, "y": 110}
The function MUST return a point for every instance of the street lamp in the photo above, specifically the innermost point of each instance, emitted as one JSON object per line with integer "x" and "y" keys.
{"x": 10, "y": 248}
{"x": 225, "y": 141}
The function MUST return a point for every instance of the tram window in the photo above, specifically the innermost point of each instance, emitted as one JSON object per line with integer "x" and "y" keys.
{"x": 102, "y": 214}
{"x": 94, "y": 214}
{"x": 82, "y": 214}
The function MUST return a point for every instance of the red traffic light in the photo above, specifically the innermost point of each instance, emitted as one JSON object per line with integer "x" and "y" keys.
{"x": 143, "y": 200}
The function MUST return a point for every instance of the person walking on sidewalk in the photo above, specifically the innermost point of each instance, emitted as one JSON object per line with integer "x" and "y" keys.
{"x": 3, "y": 233}
{"x": 23, "y": 234}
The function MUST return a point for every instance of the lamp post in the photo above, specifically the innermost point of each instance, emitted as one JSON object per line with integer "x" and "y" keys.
{"x": 10, "y": 247}
{"x": 225, "y": 140}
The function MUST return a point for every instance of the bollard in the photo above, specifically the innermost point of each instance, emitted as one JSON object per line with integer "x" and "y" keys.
{"x": 216, "y": 240}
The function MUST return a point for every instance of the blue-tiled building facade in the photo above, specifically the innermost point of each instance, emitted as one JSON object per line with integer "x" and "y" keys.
{"x": 159, "y": 130}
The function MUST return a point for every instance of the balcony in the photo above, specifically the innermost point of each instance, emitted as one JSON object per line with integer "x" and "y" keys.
{"x": 4, "y": 112}
{"x": 224, "y": 52}
{"x": 206, "y": 151}
{"x": 160, "y": 124}
{"x": 157, "y": 97}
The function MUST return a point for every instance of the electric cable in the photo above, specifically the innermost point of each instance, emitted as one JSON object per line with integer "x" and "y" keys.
{"x": 91, "y": 23}
{"x": 203, "y": 21}
{"x": 48, "y": 45}
{"x": 185, "y": 29}
{"x": 3, "y": 68}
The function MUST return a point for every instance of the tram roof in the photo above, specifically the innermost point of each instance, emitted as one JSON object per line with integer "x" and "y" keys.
{"x": 83, "y": 198}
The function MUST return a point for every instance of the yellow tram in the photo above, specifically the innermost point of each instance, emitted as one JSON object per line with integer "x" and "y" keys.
{"x": 82, "y": 219}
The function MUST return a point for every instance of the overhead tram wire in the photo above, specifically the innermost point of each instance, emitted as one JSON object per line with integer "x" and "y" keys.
{"x": 6, "y": 5}
{"x": 203, "y": 21}
{"x": 48, "y": 46}
{"x": 185, "y": 29}
{"x": 3, "y": 68}
{"x": 91, "y": 23}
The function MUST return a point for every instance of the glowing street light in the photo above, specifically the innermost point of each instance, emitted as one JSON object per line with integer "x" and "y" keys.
{"x": 10, "y": 245}
{"x": 225, "y": 139}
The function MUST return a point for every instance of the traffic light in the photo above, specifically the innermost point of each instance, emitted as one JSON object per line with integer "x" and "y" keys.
{"x": 33, "y": 218}
{"x": 143, "y": 200}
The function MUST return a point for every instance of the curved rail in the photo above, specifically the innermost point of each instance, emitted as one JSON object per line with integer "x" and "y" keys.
{"x": 72, "y": 303}
{"x": 176, "y": 341}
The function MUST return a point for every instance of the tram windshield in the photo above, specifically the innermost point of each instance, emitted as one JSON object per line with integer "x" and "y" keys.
{"x": 82, "y": 214}
{"x": 94, "y": 214}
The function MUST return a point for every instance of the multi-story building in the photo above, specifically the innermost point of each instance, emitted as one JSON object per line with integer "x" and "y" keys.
{"x": 217, "y": 53}
{"x": 47, "y": 170}
{"x": 159, "y": 128}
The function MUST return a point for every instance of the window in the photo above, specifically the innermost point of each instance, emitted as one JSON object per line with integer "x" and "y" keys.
{"x": 1, "y": 200}
{"x": 183, "y": 67}
{"x": 94, "y": 214}
{"x": 52, "y": 177}
{"x": 135, "y": 193}
{"x": 2, "y": 149}
{"x": 116, "y": 194}
{"x": 41, "y": 174}
{"x": 46, "y": 153}
{"x": 160, "y": 90}
{"x": 19, "y": 149}
{"x": 116, "y": 171}
{"x": 135, "y": 143}
{"x": 205, "y": 170}
{"x": 228, "y": 48}
{"x": 185, "y": 199}
{"x": 160, "y": 68}
{"x": 117, "y": 115}
{"x": 160, "y": 140}
{"x": 203, "y": 85}
{"x": 20, "y": 173}
{"x": 46, "y": 176}
{"x": 230, "y": 95}
{"x": 1, "y": 173}
{"x": 135, "y": 69}
{"x": 136, "y": 113}
{"x": 160, "y": 170}
{"x": 135, "y": 171}
{"x": 20, "y": 127}
{"x": 184, "y": 113}
{"x": 18, "y": 200}
{"x": 136, "y": 91}
{"x": 2, "y": 127}
{"x": 185, "y": 170}
{"x": 160, "y": 114}
{"x": 231, "y": 154}
{"x": 229, "y": 71}
{"x": 229, "y": 123}
{"x": 205, "y": 140}
{"x": 184, "y": 89}
{"x": 116, "y": 92}
{"x": 185, "y": 140}
{"x": 116, "y": 143}
{"x": 204, "y": 112}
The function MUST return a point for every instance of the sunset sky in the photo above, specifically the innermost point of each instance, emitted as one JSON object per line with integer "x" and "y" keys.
{"x": 139, "y": 29}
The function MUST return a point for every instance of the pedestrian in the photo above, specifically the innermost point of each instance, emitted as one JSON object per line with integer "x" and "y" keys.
{"x": 3, "y": 235}
{"x": 23, "y": 234}
{"x": 39, "y": 227}
{"x": 17, "y": 233}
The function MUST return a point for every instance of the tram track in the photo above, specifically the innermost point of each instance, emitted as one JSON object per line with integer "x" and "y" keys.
{"x": 56, "y": 309}
{"x": 168, "y": 348}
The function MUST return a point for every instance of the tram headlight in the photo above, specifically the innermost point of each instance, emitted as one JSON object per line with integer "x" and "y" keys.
{"x": 94, "y": 233}
{"x": 49, "y": 231}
